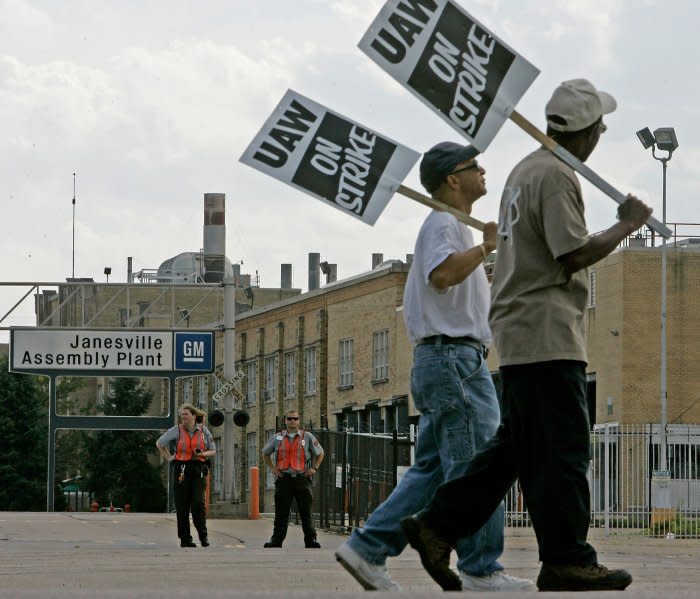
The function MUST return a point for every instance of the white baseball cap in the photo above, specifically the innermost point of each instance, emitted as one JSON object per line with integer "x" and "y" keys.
{"x": 576, "y": 104}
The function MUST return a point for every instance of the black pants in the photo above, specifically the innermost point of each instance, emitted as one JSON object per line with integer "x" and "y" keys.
{"x": 544, "y": 441}
{"x": 189, "y": 497}
{"x": 288, "y": 488}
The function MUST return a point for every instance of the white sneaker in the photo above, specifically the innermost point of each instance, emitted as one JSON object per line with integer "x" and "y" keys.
{"x": 372, "y": 577}
{"x": 497, "y": 581}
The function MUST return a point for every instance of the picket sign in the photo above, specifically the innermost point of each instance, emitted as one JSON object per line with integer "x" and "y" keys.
{"x": 464, "y": 73}
{"x": 336, "y": 160}
{"x": 581, "y": 168}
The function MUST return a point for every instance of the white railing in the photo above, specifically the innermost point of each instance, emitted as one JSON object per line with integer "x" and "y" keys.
{"x": 630, "y": 489}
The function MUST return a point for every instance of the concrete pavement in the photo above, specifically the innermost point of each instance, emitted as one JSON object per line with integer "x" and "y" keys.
{"x": 138, "y": 555}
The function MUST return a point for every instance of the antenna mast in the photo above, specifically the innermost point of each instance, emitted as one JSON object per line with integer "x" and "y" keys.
{"x": 73, "y": 271}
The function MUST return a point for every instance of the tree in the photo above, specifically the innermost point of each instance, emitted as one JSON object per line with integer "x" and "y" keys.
{"x": 117, "y": 465}
{"x": 23, "y": 420}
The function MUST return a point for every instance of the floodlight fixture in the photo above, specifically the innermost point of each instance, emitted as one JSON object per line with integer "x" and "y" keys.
{"x": 325, "y": 267}
{"x": 666, "y": 139}
{"x": 663, "y": 138}
{"x": 646, "y": 137}
{"x": 249, "y": 293}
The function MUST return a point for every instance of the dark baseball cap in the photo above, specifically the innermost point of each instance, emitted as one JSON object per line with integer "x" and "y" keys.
{"x": 440, "y": 160}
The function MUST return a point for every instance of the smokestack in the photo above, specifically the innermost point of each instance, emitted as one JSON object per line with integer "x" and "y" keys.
{"x": 314, "y": 270}
{"x": 129, "y": 268}
{"x": 214, "y": 237}
{"x": 286, "y": 276}
{"x": 377, "y": 259}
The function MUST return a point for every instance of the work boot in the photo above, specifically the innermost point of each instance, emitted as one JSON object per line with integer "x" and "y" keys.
{"x": 434, "y": 551}
{"x": 569, "y": 577}
{"x": 312, "y": 544}
{"x": 187, "y": 543}
{"x": 272, "y": 543}
{"x": 204, "y": 542}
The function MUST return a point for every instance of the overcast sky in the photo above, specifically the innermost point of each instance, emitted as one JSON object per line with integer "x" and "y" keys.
{"x": 151, "y": 103}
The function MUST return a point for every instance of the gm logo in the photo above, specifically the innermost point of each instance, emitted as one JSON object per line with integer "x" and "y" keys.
{"x": 194, "y": 351}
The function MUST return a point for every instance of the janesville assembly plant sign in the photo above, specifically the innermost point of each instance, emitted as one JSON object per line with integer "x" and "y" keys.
{"x": 110, "y": 351}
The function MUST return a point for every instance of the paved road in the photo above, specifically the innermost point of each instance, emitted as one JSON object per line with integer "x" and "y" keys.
{"x": 137, "y": 555}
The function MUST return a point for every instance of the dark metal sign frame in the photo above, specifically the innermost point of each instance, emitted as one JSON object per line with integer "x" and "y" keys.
{"x": 140, "y": 423}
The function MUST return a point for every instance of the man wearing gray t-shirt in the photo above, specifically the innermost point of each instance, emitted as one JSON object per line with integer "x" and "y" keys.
{"x": 445, "y": 308}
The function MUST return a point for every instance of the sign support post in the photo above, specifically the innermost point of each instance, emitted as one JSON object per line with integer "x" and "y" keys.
{"x": 229, "y": 372}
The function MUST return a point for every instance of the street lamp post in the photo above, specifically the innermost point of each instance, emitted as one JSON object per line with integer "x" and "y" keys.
{"x": 665, "y": 140}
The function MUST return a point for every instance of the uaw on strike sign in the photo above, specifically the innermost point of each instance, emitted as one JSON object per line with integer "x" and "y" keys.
{"x": 337, "y": 160}
{"x": 451, "y": 62}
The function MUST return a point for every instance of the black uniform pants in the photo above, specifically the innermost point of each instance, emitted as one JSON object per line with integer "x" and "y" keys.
{"x": 189, "y": 493}
{"x": 288, "y": 488}
{"x": 544, "y": 441}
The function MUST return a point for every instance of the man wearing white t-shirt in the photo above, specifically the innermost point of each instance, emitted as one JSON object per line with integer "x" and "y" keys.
{"x": 446, "y": 307}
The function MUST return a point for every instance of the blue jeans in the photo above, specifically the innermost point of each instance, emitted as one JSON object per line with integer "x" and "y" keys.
{"x": 452, "y": 388}
{"x": 544, "y": 442}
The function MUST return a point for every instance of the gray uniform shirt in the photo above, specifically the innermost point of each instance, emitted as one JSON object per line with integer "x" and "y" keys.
{"x": 312, "y": 447}
{"x": 171, "y": 435}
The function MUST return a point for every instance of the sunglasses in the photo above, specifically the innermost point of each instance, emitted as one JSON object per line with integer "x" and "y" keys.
{"x": 292, "y": 417}
{"x": 474, "y": 166}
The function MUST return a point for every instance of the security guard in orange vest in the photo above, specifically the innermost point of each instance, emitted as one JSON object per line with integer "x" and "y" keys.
{"x": 194, "y": 445}
{"x": 297, "y": 456}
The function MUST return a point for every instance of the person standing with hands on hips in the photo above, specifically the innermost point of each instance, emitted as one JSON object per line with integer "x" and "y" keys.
{"x": 297, "y": 457}
{"x": 194, "y": 445}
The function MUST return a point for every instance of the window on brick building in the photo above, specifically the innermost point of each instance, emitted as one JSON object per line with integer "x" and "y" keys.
{"x": 345, "y": 362}
{"x": 310, "y": 365}
{"x": 290, "y": 374}
{"x": 202, "y": 390}
{"x": 270, "y": 378}
{"x": 251, "y": 383}
{"x": 380, "y": 355}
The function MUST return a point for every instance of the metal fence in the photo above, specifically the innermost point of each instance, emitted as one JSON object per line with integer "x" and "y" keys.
{"x": 630, "y": 488}
{"x": 359, "y": 472}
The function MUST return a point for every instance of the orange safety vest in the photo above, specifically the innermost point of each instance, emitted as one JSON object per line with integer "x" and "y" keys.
{"x": 186, "y": 445}
{"x": 291, "y": 454}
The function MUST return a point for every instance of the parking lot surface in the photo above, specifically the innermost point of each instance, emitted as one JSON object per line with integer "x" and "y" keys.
{"x": 118, "y": 554}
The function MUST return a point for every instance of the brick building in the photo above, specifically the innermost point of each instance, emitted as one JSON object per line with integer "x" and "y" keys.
{"x": 339, "y": 354}
{"x": 624, "y": 335}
